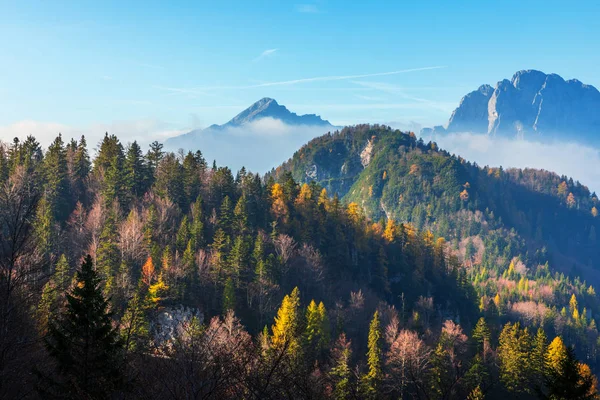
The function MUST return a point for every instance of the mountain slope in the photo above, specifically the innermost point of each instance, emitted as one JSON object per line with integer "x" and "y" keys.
{"x": 264, "y": 128}
{"x": 532, "y": 103}
{"x": 392, "y": 174}
{"x": 528, "y": 238}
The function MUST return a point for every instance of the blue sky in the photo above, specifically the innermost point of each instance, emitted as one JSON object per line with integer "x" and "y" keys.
{"x": 152, "y": 69}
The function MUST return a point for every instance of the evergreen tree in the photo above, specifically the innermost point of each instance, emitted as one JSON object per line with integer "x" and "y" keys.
{"x": 341, "y": 371}
{"x": 228, "y": 296}
{"x": 53, "y": 292}
{"x": 136, "y": 173}
{"x": 565, "y": 378}
{"x": 154, "y": 156}
{"x": 197, "y": 228}
{"x": 57, "y": 186}
{"x": 108, "y": 256}
{"x": 81, "y": 168}
{"x": 371, "y": 382}
{"x": 513, "y": 352}
{"x": 183, "y": 234}
{"x": 84, "y": 344}
{"x": 481, "y": 334}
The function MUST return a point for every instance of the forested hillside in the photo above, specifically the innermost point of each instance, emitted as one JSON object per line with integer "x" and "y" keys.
{"x": 526, "y": 237}
{"x": 155, "y": 275}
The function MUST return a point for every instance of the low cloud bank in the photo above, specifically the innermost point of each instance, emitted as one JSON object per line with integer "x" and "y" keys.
{"x": 259, "y": 146}
{"x": 574, "y": 160}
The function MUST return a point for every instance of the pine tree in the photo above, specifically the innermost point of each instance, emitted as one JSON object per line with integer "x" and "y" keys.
{"x": 183, "y": 234}
{"x": 312, "y": 333}
{"x": 136, "y": 173}
{"x": 538, "y": 358}
{"x": 84, "y": 344}
{"x": 57, "y": 186}
{"x": 134, "y": 326}
{"x": 372, "y": 380}
{"x": 341, "y": 371}
{"x": 513, "y": 352}
{"x": 228, "y": 296}
{"x": 567, "y": 378}
{"x": 53, "y": 292}
{"x": 481, "y": 334}
{"x": 43, "y": 227}
{"x": 155, "y": 155}
{"x": 197, "y": 228}
{"x": 81, "y": 168}
{"x": 108, "y": 256}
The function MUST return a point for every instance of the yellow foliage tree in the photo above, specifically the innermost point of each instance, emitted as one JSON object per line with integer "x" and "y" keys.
{"x": 278, "y": 206}
{"x": 391, "y": 231}
{"x": 573, "y": 303}
{"x": 148, "y": 272}
{"x": 571, "y": 200}
{"x": 304, "y": 196}
{"x": 286, "y": 328}
{"x": 323, "y": 199}
{"x": 354, "y": 213}
{"x": 157, "y": 291}
{"x": 556, "y": 354}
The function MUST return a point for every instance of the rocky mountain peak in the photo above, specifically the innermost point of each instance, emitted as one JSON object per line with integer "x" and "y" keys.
{"x": 531, "y": 103}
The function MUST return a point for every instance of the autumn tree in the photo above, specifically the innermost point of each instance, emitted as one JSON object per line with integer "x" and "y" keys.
{"x": 288, "y": 324}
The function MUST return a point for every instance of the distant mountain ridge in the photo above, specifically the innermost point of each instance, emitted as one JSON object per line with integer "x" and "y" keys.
{"x": 265, "y": 108}
{"x": 532, "y": 103}
{"x": 242, "y": 140}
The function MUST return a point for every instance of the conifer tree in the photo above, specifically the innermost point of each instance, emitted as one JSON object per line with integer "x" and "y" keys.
{"x": 371, "y": 382}
{"x": 341, "y": 371}
{"x": 481, "y": 334}
{"x": 84, "y": 344}
{"x": 538, "y": 359}
{"x": 288, "y": 324}
{"x": 228, "y": 296}
{"x": 136, "y": 174}
{"x": 57, "y": 180}
{"x": 513, "y": 352}
{"x": 197, "y": 228}
{"x": 53, "y": 292}
{"x": 183, "y": 235}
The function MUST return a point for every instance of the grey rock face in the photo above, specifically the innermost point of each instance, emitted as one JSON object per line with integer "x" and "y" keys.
{"x": 472, "y": 113}
{"x": 534, "y": 104}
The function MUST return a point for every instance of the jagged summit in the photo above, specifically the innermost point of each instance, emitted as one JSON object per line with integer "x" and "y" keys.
{"x": 531, "y": 103}
{"x": 269, "y": 108}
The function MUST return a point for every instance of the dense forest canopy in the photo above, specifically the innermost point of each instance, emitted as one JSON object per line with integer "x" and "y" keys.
{"x": 155, "y": 275}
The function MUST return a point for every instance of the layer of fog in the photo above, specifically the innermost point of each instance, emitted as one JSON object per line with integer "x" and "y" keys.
{"x": 574, "y": 160}
{"x": 259, "y": 146}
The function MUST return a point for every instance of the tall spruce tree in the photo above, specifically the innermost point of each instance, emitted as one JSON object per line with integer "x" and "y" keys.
{"x": 371, "y": 382}
{"x": 84, "y": 344}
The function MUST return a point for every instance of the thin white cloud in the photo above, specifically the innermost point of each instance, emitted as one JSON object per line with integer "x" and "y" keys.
{"x": 202, "y": 90}
{"x": 565, "y": 158}
{"x": 264, "y": 54}
{"x": 306, "y": 8}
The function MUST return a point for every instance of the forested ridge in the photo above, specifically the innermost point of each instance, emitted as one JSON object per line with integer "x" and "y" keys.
{"x": 154, "y": 275}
